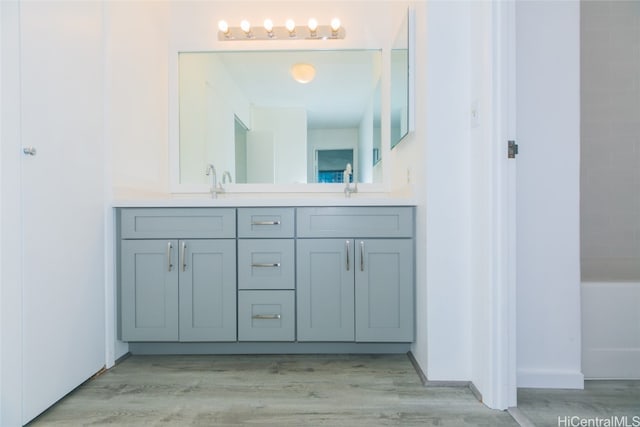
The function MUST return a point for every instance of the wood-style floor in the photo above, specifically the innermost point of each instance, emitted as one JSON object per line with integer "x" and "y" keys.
{"x": 616, "y": 401}
{"x": 313, "y": 390}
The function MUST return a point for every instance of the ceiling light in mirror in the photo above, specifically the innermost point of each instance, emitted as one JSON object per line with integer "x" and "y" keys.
{"x": 303, "y": 73}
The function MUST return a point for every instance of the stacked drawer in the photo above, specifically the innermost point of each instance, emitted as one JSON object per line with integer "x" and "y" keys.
{"x": 266, "y": 274}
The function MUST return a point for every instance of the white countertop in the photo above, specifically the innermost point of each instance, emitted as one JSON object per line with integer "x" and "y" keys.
{"x": 258, "y": 200}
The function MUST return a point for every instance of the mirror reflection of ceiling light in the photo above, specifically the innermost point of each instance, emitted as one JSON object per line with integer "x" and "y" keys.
{"x": 302, "y": 72}
{"x": 312, "y": 31}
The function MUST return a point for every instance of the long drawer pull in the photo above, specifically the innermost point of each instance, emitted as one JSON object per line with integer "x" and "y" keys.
{"x": 275, "y": 264}
{"x": 361, "y": 256}
{"x": 169, "y": 250}
{"x": 265, "y": 222}
{"x": 266, "y": 316}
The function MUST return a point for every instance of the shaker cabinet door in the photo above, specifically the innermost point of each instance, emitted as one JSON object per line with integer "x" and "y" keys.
{"x": 207, "y": 290}
{"x": 149, "y": 290}
{"x": 384, "y": 290}
{"x": 325, "y": 293}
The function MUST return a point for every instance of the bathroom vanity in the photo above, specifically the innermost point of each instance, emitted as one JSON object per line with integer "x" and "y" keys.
{"x": 256, "y": 279}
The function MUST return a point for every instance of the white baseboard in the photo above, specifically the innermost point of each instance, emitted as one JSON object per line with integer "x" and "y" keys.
{"x": 611, "y": 330}
{"x": 533, "y": 378}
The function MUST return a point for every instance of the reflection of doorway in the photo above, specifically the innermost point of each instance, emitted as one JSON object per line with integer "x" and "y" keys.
{"x": 330, "y": 164}
{"x": 240, "y": 138}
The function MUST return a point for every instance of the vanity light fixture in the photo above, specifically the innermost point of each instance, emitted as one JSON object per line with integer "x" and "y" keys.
{"x": 290, "y": 31}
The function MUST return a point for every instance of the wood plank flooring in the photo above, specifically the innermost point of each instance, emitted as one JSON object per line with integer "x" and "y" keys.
{"x": 268, "y": 390}
{"x": 599, "y": 399}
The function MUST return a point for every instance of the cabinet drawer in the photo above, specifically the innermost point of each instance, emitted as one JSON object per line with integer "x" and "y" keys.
{"x": 266, "y": 264}
{"x": 183, "y": 223}
{"x": 266, "y": 316}
{"x": 265, "y": 222}
{"x": 355, "y": 222}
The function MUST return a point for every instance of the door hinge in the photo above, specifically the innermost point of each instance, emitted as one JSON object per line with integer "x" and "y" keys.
{"x": 512, "y": 150}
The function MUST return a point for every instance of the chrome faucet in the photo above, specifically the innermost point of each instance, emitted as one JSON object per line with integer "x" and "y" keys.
{"x": 225, "y": 175}
{"x": 346, "y": 177}
{"x": 211, "y": 171}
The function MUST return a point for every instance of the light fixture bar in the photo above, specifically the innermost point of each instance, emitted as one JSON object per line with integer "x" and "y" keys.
{"x": 298, "y": 32}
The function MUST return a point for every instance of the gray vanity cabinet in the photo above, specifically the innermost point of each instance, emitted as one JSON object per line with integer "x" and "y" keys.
{"x": 177, "y": 289}
{"x": 355, "y": 289}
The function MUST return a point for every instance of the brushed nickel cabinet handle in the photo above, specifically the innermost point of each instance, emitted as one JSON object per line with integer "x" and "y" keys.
{"x": 348, "y": 250}
{"x": 183, "y": 250}
{"x": 266, "y": 316}
{"x": 361, "y": 255}
{"x": 265, "y": 222}
{"x": 275, "y": 264}
{"x": 169, "y": 250}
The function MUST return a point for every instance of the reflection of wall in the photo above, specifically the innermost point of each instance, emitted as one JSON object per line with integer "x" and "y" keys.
{"x": 330, "y": 139}
{"x": 365, "y": 146}
{"x": 241, "y": 153}
{"x": 207, "y": 122}
{"x": 260, "y": 161}
{"x": 289, "y": 129}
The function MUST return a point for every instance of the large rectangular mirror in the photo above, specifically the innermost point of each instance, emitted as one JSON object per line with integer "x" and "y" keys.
{"x": 245, "y": 112}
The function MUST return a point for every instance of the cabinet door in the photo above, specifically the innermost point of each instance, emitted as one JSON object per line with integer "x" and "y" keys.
{"x": 325, "y": 292}
{"x": 207, "y": 290}
{"x": 149, "y": 286}
{"x": 384, "y": 290}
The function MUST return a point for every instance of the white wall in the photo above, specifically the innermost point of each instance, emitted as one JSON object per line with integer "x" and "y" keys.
{"x": 448, "y": 303}
{"x": 137, "y": 63}
{"x": 548, "y": 253}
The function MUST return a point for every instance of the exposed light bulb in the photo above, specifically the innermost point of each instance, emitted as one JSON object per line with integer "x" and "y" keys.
{"x": 313, "y": 25}
{"x": 223, "y": 27}
{"x": 268, "y": 25}
{"x": 290, "y": 26}
{"x": 335, "y": 24}
{"x": 245, "y": 26}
